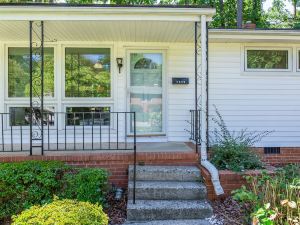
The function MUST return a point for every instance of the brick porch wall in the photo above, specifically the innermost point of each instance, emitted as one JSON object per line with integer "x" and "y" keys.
{"x": 287, "y": 155}
{"x": 117, "y": 163}
{"x": 231, "y": 181}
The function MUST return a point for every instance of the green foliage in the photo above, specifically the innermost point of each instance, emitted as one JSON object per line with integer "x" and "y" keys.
{"x": 63, "y": 212}
{"x": 277, "y": 196}
{"x": 232, "y": 150}
{"x": 24, "y": 184}
{"x": 264, "y": 215}
{"x": 244, "y": 195}
{"x": 86, "y": 185}
{"x": 27, "y": 183}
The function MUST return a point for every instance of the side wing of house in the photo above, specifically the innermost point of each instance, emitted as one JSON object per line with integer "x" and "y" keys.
{"x": 254, "y": 81}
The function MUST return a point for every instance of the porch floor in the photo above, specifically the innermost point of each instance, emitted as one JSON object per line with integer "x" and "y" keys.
{"x": 141, "y": 147}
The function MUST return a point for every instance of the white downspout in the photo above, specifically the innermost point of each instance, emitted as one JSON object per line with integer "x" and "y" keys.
{"x": 204, "y": 162}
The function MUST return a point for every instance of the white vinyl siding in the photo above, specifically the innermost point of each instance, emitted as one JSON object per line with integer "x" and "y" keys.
{"x": 255, "y": 101}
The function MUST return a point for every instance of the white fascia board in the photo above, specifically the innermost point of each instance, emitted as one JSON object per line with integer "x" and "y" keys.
{"x": 216, "y": 35}
{"x": 106, "y": 13}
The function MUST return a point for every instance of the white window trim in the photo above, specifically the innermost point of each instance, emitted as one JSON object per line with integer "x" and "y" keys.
{"x": 88, "y": 100}
{"x": 290, "y": 59}
{"x": 164, "y": 86}
{"x": 297, "y": 59}
{"x": 22, "y": 99}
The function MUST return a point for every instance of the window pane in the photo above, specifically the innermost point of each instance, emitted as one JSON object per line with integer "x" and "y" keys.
{"x": 267, "y": 59}
{"x": 18, "y": 72}
{"x": 87, "y": 72}
{"x": 20, "y": 116}
{"x": 88, "y": 116}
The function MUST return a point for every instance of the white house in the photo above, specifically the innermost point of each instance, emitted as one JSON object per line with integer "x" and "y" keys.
{"x": 103, "y": 62}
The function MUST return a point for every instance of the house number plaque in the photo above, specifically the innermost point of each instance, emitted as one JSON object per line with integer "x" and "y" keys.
{"x": 180, "y": 80}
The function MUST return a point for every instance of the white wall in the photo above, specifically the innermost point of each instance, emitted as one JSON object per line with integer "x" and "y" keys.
{"x": 256, "y": 101}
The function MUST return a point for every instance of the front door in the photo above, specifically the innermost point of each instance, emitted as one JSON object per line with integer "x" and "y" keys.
{"x": 146, "y": 91}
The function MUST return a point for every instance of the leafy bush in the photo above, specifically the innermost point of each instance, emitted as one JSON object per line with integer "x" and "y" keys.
{"x": 86, "y": 185}
{"x": 277, "y": 198}
{"x": 62, "y": 212}
{"x": 25, "y": 184}
{"x": 232, "y": 150}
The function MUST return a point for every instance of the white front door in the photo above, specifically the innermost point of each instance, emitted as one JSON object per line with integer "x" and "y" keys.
{"x": 146, "y": 91}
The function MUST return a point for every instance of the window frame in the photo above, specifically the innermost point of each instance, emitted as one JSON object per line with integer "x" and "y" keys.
{"x": 63, "y": 75}
{"x": 24, "y": 105}
{"x": 297, "y": 59}
{"x": 288, "y": 49}
{"x": 65, "y": 106}
{"x": 6, "y": 61}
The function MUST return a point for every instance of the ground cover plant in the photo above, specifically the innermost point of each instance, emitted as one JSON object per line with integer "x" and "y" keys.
{"x": 231, "y": 150}
{"x": 24, "y": 184}
{"x": 274, "y": 199}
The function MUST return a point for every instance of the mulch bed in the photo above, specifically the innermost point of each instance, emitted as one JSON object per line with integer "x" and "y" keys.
{"x": 116, "y": 209}
{"x": 231, "y": 212}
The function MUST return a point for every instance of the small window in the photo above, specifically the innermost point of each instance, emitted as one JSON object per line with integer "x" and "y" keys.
{"x": 257, "y": 59}
{"x": 87, "y": 72}
{"x": 88, "y": 116}
{"x": 20, "y": 116}
{"x": 19, "y": 75}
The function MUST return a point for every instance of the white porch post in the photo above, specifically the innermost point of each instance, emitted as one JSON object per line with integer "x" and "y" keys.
{"x": 203, "y": 117}
{"x": 203, "y": 124}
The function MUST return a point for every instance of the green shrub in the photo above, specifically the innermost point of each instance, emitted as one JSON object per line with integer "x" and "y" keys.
{"x": 24, "y": 184}
{"x": 86, "y": 185}
{"x": 232, "y": 150}
{"x": 63, "y": 212}
{"x": 29, "y": 183}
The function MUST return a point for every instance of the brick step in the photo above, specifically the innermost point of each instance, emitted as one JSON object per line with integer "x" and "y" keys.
{"x": 149, "y": 210}
{"x": 168, "y": 190}
{"x": 165, "y": 173}
{"x": 171, "y": 222}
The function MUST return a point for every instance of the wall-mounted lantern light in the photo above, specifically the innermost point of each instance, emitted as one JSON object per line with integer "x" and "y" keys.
{"x": 120, "y": 63}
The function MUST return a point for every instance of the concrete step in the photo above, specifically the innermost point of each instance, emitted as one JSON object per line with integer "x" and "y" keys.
{"x": 149, "y": 210}
{"x": 167, "y": 190}
{"x": 171, "y": 222}
{"x": 165, "y": 173}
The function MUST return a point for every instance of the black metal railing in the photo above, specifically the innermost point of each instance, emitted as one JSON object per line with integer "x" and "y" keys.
{"x": 195, "y": 122}
{"x": 74, "y": 131}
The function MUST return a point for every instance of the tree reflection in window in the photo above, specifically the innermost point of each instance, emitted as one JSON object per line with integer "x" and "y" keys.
{"x": 19, "y": 73}
{"x": 145, "y": 63}
{"x": 87, "y": 72}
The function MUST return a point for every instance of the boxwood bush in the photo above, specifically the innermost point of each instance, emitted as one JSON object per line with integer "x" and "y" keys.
{"x": 24, "y": 184}
{"x": 61, "y": 212}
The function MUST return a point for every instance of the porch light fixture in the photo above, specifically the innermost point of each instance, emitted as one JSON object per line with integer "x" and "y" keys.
{"x": 120, "y": 63}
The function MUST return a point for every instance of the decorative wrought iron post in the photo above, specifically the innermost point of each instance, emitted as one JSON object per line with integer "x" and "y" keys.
{"x": 197, "y": 83}
{"x": 36, "y": 67}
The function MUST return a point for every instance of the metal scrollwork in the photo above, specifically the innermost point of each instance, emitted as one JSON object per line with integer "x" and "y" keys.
{"x": 36, "y": 85}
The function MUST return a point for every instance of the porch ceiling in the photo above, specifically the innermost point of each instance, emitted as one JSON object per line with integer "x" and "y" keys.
{"x": 103, "y": 31}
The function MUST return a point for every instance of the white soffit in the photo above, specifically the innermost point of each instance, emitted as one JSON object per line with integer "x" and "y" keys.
{"x": 102, "y": 31}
